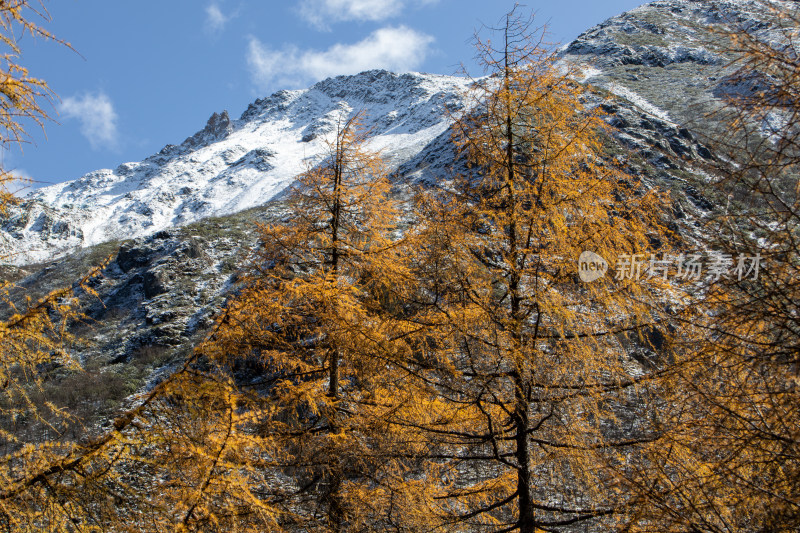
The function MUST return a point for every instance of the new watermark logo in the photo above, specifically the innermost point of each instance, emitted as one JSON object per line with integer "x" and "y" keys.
{"x": 591, "y": 267}
{"x": 689, "y": 267}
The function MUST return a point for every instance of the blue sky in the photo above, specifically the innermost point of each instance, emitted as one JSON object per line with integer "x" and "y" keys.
{"x": 146, "y": 73}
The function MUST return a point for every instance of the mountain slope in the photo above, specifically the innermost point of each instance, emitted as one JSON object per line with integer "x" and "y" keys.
{"x": 158, "y": 294}
{"x": 669, "y": 57}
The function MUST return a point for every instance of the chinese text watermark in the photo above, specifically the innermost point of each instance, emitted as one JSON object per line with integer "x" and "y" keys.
{"x": 689, "y": 267}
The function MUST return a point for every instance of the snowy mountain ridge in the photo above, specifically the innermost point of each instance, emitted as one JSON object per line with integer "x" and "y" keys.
{"x": 231, "y": 165}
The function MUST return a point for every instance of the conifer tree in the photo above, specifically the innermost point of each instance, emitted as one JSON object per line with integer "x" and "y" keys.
{"x": 523, "y": 368}
{"x": 274, "y": 422}
{"x": 32, "y": 330}
{"x": 732, "y": 461}
{"x": 312, "y": 309}
{"x": 29, "y": 333}
{"x": 487, "y": 388}
{"x": 23, "y": 98}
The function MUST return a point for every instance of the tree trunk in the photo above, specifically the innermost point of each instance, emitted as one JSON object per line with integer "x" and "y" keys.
{"x": 527, "y": 518}
{"x": 333, "y": 381}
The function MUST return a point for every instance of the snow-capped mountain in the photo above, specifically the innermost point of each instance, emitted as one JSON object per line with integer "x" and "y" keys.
{"x": 231, "y": 165}
{"x": 662, "y": 63}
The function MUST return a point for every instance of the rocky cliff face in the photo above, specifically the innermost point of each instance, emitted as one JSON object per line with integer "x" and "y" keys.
{"x": 668, "y": 67}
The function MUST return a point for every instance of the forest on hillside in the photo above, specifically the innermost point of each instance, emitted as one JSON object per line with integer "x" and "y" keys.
{"x": 530, "y": 344}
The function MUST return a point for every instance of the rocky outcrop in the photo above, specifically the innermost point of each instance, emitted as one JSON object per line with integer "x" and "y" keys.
{"x": 217, "y": 128}
{"x": 667, "y": 57}
{"x": 165, "y": 289}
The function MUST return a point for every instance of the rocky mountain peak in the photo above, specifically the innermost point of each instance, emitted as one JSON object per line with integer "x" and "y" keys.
{"x": 217, "y": 128}
{"x": 219, "y": 125}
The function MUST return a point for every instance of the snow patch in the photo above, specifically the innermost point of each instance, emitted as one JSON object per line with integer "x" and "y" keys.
{"x": 637, "y": 100}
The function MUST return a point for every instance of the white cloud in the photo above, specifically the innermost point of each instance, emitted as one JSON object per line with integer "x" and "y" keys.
{"x": 321, "y": 12}
{"x": 215, "y": 18}
{"x": 97, "y": 116}
{"x": 399, "y": 49}
{"x": 20, "y": 181}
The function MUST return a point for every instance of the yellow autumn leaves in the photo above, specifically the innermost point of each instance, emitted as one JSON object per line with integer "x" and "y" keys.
{"x": 432, "y": 362}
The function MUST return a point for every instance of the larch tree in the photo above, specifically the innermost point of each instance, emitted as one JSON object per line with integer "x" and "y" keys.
{"x": 732, "y": 462}
{"x": 523, "y": 372}
{"x": 312, "y": 315}
{"x": 275, "y": 422}
{"x": 23, "y": 98}
{"x": 28, "y": 334}
{"x": 33, "y": 331}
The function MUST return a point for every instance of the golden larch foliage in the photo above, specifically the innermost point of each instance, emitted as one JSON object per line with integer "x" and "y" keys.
{"x": 524, "y": 371}
{"x": 730, "y": 459}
